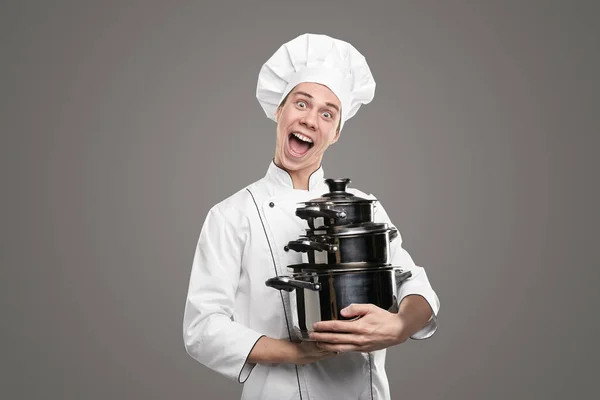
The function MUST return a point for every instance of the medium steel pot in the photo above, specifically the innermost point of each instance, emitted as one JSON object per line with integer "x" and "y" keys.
{"x": 337, "y": 207}
{"x": 367, "y": 243}
{"x": 320, "y": 296}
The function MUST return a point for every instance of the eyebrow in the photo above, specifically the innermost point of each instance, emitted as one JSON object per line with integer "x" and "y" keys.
{"x": 311, "y": 97}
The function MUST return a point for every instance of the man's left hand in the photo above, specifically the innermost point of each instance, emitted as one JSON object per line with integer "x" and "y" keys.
{"x": 374, "y": 329}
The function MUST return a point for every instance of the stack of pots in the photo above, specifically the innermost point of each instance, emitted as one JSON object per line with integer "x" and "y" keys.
{"x": 346, "y": 260}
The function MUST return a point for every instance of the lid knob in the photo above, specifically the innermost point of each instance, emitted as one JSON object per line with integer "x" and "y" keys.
{"x": 338, "y": 185}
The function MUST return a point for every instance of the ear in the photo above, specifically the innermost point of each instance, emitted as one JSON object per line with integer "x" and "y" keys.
{"x": 277, "y": 113}
{"x": 336, "y": 137}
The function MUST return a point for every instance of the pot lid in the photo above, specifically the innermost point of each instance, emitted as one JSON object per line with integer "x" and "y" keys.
{"x": 337, "y": 193}
{"x": 350, "y": 230}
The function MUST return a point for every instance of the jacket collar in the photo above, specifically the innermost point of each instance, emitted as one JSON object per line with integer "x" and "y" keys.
{"x": 281, "y": 177}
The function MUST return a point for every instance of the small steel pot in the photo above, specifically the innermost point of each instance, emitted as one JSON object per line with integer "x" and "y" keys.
{"x": 337, "y": 207}
{"x": 368, "y": 243}
{"x": 321, "y": 296}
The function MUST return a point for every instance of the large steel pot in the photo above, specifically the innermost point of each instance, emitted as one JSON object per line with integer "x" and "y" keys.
{"x": 320, "y": 296}
{"x": 369, "y": 243}
{"x": 337, "y": 207}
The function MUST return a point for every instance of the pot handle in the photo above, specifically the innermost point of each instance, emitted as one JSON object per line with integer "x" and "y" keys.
{"x": 303, "y": 246}
{"x": 401, "y": 276}
{"x": 288, "y": 284}
{"x": 316, "y": 212}
{"x": 393, "y": 234}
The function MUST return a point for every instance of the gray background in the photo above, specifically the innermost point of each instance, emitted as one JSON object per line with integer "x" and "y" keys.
{"x": 124, "y": 122}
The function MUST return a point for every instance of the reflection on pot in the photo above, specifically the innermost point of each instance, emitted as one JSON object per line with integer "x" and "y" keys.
{"x": 320, "y": 296}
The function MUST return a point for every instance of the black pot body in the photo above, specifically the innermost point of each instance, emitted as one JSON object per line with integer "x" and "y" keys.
{"x": 336, "y": 214}
{"x": 373, "y": 248}
{"x": 332, "y": 291}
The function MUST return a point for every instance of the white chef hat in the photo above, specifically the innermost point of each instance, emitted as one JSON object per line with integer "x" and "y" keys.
{"x": 319, "y": 59}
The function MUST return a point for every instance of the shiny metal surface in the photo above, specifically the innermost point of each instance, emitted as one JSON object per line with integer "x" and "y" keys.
{"x": 338, "y": 290}
{"x": 345, "y": 260}
{"x": 327, "y": 249}
{"x": 349, "y": 230}
{"x": 337, "y": 194}
{"x": 324, "y": 215}
{"x": 356, "y": 266}
{"x": 337, "y": 207}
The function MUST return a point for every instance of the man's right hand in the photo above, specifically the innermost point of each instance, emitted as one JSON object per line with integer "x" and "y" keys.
{"x": 276, "y": 351}
{"x": 308, "y": 352}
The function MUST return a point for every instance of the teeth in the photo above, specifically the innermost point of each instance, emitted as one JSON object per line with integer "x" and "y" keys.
{"x": 302, "y": 137}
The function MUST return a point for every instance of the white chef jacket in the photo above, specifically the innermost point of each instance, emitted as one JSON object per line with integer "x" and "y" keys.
{"x": 229, "y": 307}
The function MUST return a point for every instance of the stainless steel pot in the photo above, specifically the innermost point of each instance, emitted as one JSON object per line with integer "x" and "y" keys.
{"x": 368, "y": 243}
{"x": 320, "y": 296}
{"x": 337, "y": 207}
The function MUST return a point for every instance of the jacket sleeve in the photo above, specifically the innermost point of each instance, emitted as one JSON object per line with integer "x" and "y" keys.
{"x": 211, "y": 336}
{"x": 417, "y": 284}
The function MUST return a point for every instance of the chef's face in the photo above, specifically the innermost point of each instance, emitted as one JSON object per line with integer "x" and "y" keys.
{"x": 307, "y": 124}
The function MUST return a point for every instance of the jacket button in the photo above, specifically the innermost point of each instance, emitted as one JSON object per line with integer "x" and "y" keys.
{"x": 271, "y": 204}
{"x": 286, "y": 248}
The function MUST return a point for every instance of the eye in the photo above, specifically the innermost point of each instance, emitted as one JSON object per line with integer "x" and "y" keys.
{"x": 327, "y": 114}
{"x": 301, "y": 104}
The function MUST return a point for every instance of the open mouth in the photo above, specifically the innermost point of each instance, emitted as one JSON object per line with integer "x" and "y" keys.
{"x": 299, "y": 144}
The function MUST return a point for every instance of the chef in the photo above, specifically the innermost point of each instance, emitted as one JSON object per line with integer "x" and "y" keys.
{"x": 239, "y": 327}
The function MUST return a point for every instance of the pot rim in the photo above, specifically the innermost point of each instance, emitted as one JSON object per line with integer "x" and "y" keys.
{"x": 308, "y": 269}
{"x": 337, "y": 202}
{"x": 361, "y": 229}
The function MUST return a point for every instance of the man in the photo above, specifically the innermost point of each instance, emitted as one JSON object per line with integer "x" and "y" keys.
{"x": 233, "y": 322}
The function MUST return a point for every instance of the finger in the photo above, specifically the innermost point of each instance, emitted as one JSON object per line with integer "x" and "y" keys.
{"x": 337, "y": 338}
{"x": 318, "y": 350}
{"x": 335, "y": 326}
{"x": 357, "y": 310}
{"x": 339, "y": 348}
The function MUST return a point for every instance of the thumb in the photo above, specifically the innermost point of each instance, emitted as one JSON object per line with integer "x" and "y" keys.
{"x": 356, "y": 310}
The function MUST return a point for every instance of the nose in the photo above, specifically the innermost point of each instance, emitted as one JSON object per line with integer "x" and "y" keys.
{"x": 309, "y": 120}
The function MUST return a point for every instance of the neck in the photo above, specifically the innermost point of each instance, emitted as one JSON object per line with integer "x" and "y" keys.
{"x": 300, "y": 178}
